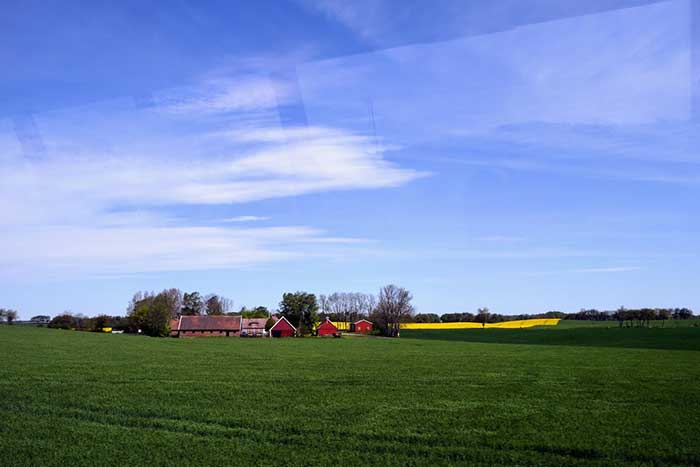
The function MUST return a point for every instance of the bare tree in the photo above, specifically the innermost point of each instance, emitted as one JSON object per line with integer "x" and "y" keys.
{"x": 226, "y": 304}
{"x": 394, "y": 307}
{"x": 324, "y": 304}
{"x": 337, "y": 305}
{"x": 347, "y": 307}
{"x": 368, "y": 303}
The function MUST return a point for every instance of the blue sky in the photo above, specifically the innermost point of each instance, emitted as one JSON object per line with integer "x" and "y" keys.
{"x": 525, "y": 156}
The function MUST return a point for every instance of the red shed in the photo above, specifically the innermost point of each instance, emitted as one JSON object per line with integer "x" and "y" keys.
{"x": 282, "y": 328}
{"x": 326, "y": 328}
{"x": 362, "y": 325}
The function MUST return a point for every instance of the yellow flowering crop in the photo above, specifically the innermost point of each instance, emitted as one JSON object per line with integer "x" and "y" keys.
{"x": 523, "y": 323}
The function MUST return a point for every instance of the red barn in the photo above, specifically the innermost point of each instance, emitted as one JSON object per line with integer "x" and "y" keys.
{"x": 282, "y": 328}
{"x": 174, "y": 324}
{"x": 326, "y": 328}
{"x": 200, "y": 326}
{"x": 362, "y": 326}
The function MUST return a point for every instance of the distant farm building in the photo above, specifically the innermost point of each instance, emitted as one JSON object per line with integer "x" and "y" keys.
{"x": 327, "y": 328}
{"x": 253, "y": 327}
{"x": 200, "y": 326}
{"x": 282, "y": 328}
{"x": 362, "y": 326}
{"x": 41, "y": 319}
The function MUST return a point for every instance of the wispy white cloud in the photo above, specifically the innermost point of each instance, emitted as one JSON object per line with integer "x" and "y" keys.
{"x": 143, "y": 248}
{"x": 331, "y": 161}
{"x": 242, "y": 93}
{"x": 245, "y": 219}
{"x": 93, "y": 203}
{"x": 624, "y": 95}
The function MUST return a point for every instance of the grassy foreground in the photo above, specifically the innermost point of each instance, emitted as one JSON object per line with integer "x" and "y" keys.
{"x": 70, "y": 398}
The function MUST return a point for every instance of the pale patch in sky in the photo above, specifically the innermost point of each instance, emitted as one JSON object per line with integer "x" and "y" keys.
{"x": 582, "y": 95}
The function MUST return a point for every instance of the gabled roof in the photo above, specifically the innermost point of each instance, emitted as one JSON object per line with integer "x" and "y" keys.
{"x": 210, "y": 323}
{"x": 257, "y": 323}
{"x": 328, "y": 321}
{"x": 280, "y": 320}
{"x": 361, "y": 320}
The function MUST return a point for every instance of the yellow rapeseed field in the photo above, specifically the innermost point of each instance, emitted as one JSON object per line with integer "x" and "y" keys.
{"x": 523, "y": 323}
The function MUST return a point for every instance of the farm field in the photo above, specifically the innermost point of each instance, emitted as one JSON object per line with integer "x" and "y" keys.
{"x": 572, "y": 396}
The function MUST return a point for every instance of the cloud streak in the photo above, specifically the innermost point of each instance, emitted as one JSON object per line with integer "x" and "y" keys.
{"x": 245, "y": 219}
{"x": 94, "y": 202}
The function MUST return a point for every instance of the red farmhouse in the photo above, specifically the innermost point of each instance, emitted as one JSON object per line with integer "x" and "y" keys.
{"x": 362, "y": 325}
{"x": 327, "y": 328}
{"x": 282, "y": 328}
{"x": 253, "y": 326}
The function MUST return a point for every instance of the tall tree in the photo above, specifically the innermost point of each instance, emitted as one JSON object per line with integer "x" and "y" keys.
{"x": 301, "y": 309}
{"x": 394, "y": 307}
{"x": 152, "y": 315}
{"x": 368, "y": 302}
{"x": 664, "y": 315}
{"x": 620, "y": 315}
{"x": 192, "y": 304}
{"x": 7, "y": 315}
{"x": 174, "y": 301}
{"x": 483, "y": 316}
{"x": 216, "y": 305}
{"x": 347, "y": 306}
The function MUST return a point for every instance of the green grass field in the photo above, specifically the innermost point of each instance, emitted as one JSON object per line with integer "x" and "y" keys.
{"x": 527, "y": 397}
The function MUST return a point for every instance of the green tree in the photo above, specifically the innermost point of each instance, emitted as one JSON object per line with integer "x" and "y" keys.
{"x": 192, "y": 304}
{"x": 664, "y": 315}
{"x": 63, "y": 321}
{"x": 621, "y": 315}
{"x": 100, "y": 322}
{"x": 483, "y": 316}
{"x": 217, "y": 305}
{"x": 682, "y": 313}
{"x": 426, "y": 318}
{"x": 9, "y": 316}
{"x": 301, "y": 309}
{"x": 257, "y": 312}
{"x": 152, "y": 315}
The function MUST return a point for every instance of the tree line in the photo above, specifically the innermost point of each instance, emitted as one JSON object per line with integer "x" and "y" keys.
{"x": 150, "y": 313}
{"x": 627, "y": 317}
